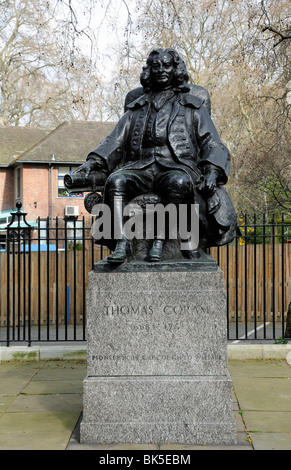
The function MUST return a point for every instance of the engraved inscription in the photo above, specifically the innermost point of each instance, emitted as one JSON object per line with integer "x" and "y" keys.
{"x": 183, "y": 309}
{"x": 157, "y": 357}
{"x": 141, "y": 357}
{"x": 146, "y": 327}
{"x": 170, "y": 313}
{"x": 113, "y": 310}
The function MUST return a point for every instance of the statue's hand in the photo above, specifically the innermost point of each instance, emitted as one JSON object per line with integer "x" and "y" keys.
{"x": 89, "y": 166}
{"x": 211, "y": 176}
{"x": 210, "y": 181}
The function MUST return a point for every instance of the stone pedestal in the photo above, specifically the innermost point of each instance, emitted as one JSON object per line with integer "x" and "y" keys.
{"x": 157, "y": 356}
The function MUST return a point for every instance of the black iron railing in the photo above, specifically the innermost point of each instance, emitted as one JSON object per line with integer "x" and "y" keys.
{"x": 44, "y": 275}
{"x": 45, "y": 266}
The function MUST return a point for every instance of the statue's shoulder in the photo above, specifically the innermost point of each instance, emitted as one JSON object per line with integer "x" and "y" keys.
{"x": 134, "y": 98}
{"x": 196, "y": 96}
{"x": 201, "y": 92}
{"x": 191, "y": 101}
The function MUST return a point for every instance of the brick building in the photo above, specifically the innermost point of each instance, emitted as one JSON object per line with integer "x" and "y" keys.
{"x": 33, "y": 162}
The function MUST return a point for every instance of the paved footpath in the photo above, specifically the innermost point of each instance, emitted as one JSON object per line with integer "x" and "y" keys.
{"x": 41, "y": 403}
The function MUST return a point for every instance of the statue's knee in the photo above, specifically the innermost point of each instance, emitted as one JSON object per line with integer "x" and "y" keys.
{"x": 180, "y": 186}
{"x": 116, "y": 182}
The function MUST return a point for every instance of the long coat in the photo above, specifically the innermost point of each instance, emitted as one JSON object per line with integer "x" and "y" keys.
{"x": 194, "y": 142}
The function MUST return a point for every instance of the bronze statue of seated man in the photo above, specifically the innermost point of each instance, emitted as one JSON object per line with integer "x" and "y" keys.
{"x": 166, "y": 143}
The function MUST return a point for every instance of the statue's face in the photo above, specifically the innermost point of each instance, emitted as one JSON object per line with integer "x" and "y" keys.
{"x": 162, "y": 70}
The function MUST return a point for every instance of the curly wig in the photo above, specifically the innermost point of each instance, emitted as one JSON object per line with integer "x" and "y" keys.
{"x": 181, "y": 76}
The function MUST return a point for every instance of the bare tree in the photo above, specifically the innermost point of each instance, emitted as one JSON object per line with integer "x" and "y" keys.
{"x": 41, "y": 64}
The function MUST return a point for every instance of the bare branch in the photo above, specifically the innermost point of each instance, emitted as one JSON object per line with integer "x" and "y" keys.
{"x": 284, "y": 35}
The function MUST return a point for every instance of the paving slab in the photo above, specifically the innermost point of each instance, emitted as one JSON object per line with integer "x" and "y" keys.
{"x": 263, "y": 391}
{"x": 39, "y": 412}
{"x": 268, "y": 421}
{"x": 14, "y": 385}
{"x": 61, "y": 371}
{"x": 271, "y": 441}
{"x": 42, "y": 421}
{"x": 5, "y": 402}
{"x": 44, "y": 387}
{"x": 259, "y": 368}
{"x": 34, "y": 440}
{"x": 21, "y": 367}
{"x": 263, "y": 394}
{"x": 50, "y": 403}
{"x": 37, "y": 430}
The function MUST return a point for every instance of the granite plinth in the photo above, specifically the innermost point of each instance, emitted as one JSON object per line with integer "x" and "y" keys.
{"x": 181, "y": 410}
{"x": 157, "y": 358}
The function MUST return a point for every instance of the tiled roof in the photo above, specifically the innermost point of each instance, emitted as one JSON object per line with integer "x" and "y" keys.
{"x": 70, "y": 142}
{"x": 15, "y": 140}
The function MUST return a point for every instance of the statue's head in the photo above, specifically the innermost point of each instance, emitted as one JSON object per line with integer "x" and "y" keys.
{"x": 164, "y": 69}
